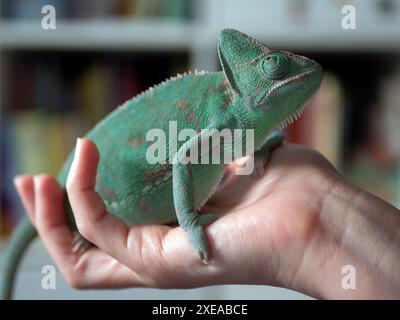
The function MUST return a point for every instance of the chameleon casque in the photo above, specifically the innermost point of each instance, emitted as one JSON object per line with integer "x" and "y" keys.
{"x": 259, "y": 88}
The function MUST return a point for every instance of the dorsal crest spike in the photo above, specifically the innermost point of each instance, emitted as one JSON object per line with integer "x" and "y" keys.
{"x": 178, "y": 76}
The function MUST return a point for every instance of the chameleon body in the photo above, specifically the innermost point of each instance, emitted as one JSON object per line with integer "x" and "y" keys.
{"x": 259, "y": 88}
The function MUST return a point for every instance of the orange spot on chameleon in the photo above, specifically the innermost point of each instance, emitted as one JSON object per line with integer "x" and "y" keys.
{"x": 157, "y": 173}
{"x": 225, "y": 103}
{"x": 211, "y": 90}
{"x": 191, "y": 117}
{"x": 143, "y": 205}
{"x": 183, "y": 105}
{"x": 135, "y": 141}
{"x": 224, "y": 84}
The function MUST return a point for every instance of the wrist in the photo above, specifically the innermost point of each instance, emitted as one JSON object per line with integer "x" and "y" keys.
{"x": 354, "y": 252}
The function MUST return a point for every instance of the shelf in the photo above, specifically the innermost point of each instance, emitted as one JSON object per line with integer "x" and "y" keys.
{"x": 95, "y": 35}
{"x": 312, "y": 26}
{"x": 176, "y": 35}
{"x": 311, "y": 38}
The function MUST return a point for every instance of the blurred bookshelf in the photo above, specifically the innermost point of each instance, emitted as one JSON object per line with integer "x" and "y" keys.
{"x": 56, "y": 84}
{"x": 109, "y": 35}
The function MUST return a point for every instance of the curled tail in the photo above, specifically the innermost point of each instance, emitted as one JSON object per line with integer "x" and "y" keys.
{"x": 20, "y": 240}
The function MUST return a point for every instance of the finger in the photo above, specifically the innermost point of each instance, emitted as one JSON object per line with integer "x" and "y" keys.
{"x": 51, "y": 222}
{"x": 93, "y": 221}
{"x": 24, "y": 186}
{"x": 92, "y": 269}
{"x": 139, "y": 247}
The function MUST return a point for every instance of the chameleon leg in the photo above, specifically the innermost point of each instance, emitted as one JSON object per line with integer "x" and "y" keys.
{"x": 262, "y": 156}
{"x": 183, "y": 192}
{"x": 187, "y": 216}
{"x": 207, "y": 218}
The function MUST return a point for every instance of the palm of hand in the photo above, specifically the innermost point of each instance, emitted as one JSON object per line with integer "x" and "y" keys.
{"x": 265, "y": 230}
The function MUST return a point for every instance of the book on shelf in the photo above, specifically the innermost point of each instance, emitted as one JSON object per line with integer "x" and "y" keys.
{"x": 55, "y": 99}
{"x": 375, "y": 165}
{"x": 93, "y": 9}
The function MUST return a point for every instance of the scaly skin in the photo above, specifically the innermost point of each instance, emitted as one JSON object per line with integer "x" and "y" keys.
{"x": 259, "y": 89}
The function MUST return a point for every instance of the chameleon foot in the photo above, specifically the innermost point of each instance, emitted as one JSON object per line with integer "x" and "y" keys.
{"x": 199, "y": 241}
{"x": 79, "y": 243}
{"x": 259, "y": 163}
{"x": 206, "y": 219}
{"x": 261, "y": 157}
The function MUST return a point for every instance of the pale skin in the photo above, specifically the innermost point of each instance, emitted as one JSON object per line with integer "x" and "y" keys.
{"x": 295, "y": 226}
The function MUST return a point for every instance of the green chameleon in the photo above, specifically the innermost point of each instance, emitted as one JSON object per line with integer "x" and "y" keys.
{"x": 259, "y": 89}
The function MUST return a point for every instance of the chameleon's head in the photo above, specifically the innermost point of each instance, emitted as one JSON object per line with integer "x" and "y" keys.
{"x": 276, "y": 83}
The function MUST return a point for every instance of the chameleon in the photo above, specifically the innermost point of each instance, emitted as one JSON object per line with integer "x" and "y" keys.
{"x": 258, "y": 88}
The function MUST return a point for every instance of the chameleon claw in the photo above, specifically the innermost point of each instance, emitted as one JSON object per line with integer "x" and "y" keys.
{"x": 80, "y": 244}
{"x": 259, "y": 166}
{"x": 204, "y": 257}
{"x": 205, "y": 261}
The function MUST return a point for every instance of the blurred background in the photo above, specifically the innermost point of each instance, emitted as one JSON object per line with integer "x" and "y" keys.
{"x": 56, "y": 84}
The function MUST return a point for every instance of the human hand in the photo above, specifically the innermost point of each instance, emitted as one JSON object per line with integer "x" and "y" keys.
{"x": 285, "y": 228}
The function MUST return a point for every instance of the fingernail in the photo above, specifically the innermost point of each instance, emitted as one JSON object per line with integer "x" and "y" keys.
{"x": 36, "y": 178}
{"x": 77, "y": 147}
{"x": 17, "y": 179}
{"x": 76, "y": 155}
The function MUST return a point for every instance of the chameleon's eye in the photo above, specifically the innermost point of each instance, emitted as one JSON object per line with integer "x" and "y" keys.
{"x": 275, "y": 65}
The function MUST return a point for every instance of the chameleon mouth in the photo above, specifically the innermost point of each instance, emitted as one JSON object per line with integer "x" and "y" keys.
{"x": 297, "y": 77}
